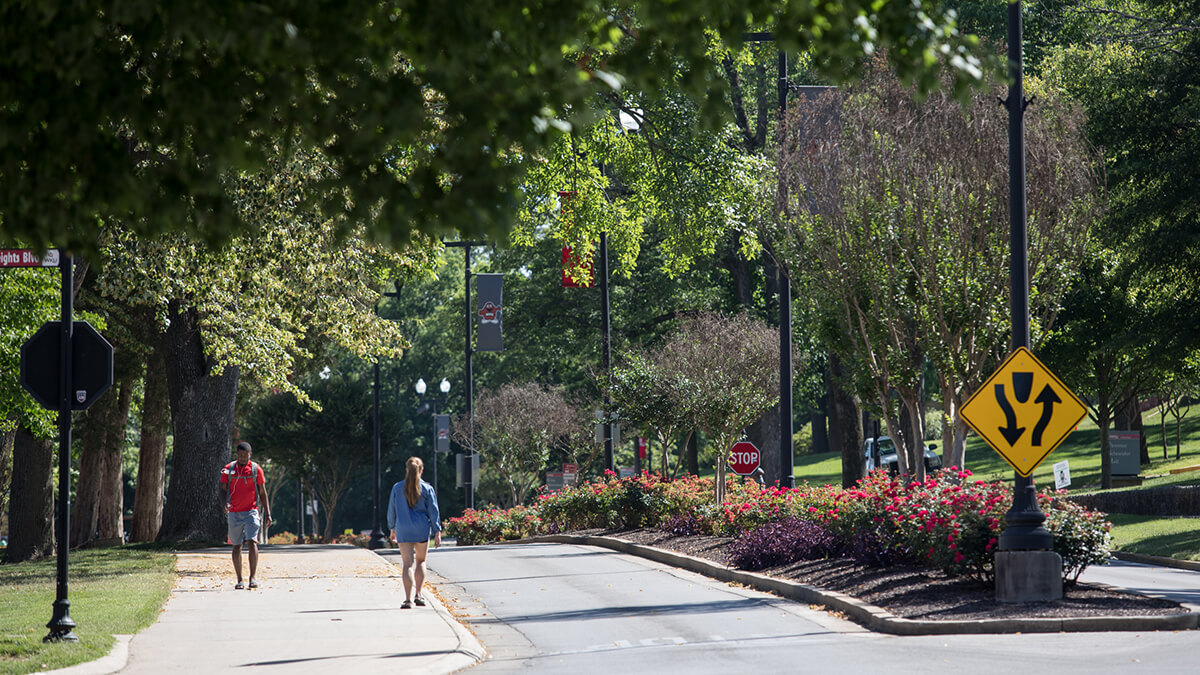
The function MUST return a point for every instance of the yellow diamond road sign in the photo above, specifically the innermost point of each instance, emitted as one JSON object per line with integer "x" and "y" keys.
{"x": 1023, "y": 411}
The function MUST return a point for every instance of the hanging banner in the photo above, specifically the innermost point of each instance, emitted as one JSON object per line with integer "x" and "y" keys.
{"x": 490, "y": 292}
{"x": 441, "y": 425}
{"x": 585, "y": 276}
{"x": 571, "y": 262}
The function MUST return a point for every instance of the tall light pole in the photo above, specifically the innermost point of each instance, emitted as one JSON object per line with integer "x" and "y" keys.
{"x": 377, "y": 539}
{"x": 468, "y": 477}
{"x": 628, "y": 124}
{"x": 1025, "y": 530}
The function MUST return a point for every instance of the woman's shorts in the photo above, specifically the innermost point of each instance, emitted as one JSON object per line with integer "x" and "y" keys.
{"x": 243, "y": 525}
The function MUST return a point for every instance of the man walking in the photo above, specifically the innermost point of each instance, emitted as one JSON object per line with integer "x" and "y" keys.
{"x": 244, "y": 484}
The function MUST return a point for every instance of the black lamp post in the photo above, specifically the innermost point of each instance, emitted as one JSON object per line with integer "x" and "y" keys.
{"x": 1025, "y": 529}
{"x": 432, "y": 407}
{"x": 377, "y": 538}
{"x": 628, "y": 124}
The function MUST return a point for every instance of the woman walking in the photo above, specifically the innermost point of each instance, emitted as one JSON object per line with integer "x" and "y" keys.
{"x": 412, "y": 518}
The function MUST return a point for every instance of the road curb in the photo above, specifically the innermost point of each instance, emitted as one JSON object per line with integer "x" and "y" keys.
{"x": 1161, "y": 561}
{"x": 469, "y": 652}
{"x": 112, "y": 662}
{"x": 869, "y": 616}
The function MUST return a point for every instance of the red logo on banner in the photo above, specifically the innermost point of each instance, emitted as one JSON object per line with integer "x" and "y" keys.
{"x": 490, "y": 313}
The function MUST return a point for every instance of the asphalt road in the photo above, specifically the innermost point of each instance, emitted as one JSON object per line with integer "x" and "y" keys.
{"x": 579, "y": 609}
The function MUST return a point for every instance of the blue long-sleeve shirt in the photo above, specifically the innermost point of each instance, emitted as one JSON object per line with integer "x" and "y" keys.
{"x": 413, "y": 523}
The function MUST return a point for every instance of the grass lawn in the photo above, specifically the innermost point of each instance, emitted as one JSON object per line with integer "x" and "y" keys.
{"x": 1081, "y": 450}
{"x": 1177, "y": 538}
{"x": 112, "y": 591}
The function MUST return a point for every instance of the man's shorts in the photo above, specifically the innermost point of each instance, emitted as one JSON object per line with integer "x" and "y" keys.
{"x": 243, "y": 525}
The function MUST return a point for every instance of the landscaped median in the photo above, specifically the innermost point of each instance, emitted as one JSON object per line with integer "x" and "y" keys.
{"x": 949, "y": 521}
{"x": 774, "y": 540}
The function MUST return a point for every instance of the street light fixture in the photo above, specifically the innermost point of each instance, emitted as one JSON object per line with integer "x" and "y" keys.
{"x": 431, "y": 406}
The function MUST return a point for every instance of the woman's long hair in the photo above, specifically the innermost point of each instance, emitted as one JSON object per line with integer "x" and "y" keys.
{"x": 412, "y": 480}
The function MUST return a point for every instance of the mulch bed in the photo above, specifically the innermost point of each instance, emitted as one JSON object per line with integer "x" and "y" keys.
{"x": 916, "y": 592}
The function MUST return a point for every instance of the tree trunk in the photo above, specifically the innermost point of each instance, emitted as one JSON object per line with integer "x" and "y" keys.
{"x": 835, "y": 421}
{"x": 202, "y": 407}
{"x": 693, "y": 453}
{"x": 111, "y": 525}
{"x": 152, "y": 453}
{"x": 765, "y": 435}
{"x": 93, "y": 434}
{"x": 1103, "y": 421}
{"x": 914, "y": 432}
{"x": 954, "y": 428}
{"x": 6, "y": 446}
{"x": 31, "y": 502}
{"x": 848, "y": 416}
{"x": 818, "y": 421}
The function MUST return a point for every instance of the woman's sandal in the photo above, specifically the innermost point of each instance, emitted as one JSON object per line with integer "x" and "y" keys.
{"x": 419, "y": 601}
{"x": 406, "y": 605}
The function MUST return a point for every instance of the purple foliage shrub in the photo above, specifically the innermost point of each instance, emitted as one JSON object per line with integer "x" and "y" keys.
{"x": 683, "y": 526}
{"x": 781, "y": 543}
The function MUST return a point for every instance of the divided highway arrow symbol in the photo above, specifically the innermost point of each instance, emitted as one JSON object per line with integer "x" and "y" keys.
{"x": 1047, "y": 398}
{"x": 1012, "y": 432}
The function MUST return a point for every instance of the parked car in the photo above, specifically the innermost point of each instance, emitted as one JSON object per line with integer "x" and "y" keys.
{"x": 887, "y": 456}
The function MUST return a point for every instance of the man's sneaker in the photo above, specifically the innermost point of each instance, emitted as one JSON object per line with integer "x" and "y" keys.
{"x": 253, "y": 584}
{"x": 239, "y": 585}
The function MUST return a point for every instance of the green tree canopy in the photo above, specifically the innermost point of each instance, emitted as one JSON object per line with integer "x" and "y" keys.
{"x": 138, "y": 111}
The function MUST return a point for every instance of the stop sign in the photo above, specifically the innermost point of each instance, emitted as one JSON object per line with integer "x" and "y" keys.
{"x": 743, "y": 458}
{"x": 91, "y": 365}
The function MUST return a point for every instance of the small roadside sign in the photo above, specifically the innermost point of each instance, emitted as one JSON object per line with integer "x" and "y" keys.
{"x": 1062, "y": 475}
{"x": 1023, "y": 411}
{"x": 744, "y": 458}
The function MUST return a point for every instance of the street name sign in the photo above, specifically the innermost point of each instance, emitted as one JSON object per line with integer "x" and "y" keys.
{"x": 1023, "y": 411}
{"x": 19, "y": 257}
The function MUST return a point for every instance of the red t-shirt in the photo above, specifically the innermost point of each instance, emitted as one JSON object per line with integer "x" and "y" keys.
{"x": 243, "y": 484}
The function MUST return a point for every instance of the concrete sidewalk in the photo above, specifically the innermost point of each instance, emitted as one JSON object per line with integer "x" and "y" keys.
{"x": 318, "y": 609}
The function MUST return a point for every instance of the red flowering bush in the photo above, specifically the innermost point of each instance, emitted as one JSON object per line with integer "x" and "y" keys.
{"x": 479, "y": 527}
{"x": 284, "y": 537}
{"x": 947, "y": 521}
{"x": 1081, "y": 536}
{"x": 621, "y": 503}
{"x": 749, "y": 506}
